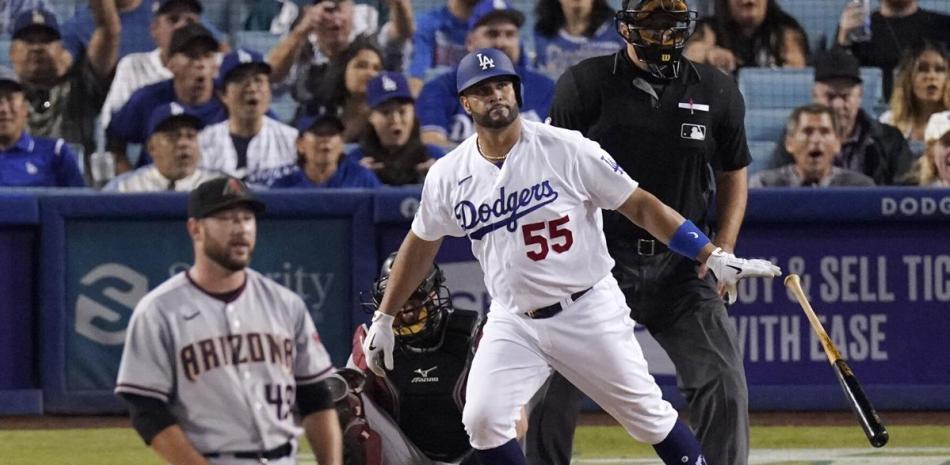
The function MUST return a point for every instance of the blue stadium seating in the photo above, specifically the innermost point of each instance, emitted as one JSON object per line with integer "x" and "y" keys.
{"x": 818, "y": 17}
{"x": 789, "y": 88}
{"x": 761, "y": 153}
{"x": 765, "y": 124}
{"x": 5, "y": 51}
{"x": 284, "y": 107}
{"x": 261, "y": 41}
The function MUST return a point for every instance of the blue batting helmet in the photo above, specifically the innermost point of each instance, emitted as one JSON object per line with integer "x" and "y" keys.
{"x": 486, "y": 63}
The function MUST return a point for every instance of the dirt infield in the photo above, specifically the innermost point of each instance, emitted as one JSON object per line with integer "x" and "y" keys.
{"x": 757, "y": 418}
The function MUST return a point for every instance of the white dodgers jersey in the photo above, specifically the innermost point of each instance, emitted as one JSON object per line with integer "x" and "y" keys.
{"x": 228, "y": 370}
{"x": 535, "y": 222}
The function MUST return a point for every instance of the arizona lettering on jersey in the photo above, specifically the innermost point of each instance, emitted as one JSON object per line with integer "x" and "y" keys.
{"x": 535, "y": 222}
{"x": 236, "y": 349}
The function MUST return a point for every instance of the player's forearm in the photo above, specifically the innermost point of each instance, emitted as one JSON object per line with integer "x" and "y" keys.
{"x": 173, "y": 446}
{"x": 662, "y": 222}
{"x": 326, "y": 439}
{"x": 731, "y": 199}
{"x": 410, "y": 268}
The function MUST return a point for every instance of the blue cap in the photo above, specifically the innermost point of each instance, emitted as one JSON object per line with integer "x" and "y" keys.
{"x": 238, "y": 58}
{"x": 324, "y": 114}
{"x": 487, "y": 10}
{"x": 483, "y": 64}
{"x": 170, "y": 111}
{"x": 36, "y": 17}
{"x": 7, "y": 76}
{"x": 387, "y": 86}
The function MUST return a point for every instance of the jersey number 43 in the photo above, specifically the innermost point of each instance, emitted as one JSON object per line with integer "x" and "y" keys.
{"x": 559, "y": 237}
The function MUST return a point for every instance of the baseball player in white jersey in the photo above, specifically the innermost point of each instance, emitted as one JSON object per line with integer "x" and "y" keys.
{"x": 529, "y": 196}
{"x": 249, "y": 144}
{"x": 217, "y": 357}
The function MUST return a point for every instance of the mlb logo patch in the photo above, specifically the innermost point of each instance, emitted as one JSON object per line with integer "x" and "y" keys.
{"x": 693, "y": 131}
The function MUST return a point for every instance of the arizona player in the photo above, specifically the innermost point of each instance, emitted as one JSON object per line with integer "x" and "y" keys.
{"x": 416, "y": 409}
{"x": 217, "y": 357}
{"x": 528, "y": 196}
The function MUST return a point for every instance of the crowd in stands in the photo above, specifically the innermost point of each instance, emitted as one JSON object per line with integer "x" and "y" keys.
{"x": 351, "y": 94}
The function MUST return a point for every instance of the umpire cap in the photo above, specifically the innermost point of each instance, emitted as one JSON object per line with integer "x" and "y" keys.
{"x": 218, "y": 194}
{"x": 483, "y": 64}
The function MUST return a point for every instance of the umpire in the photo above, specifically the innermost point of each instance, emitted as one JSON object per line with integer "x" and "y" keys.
{"x": 677, "y": 128}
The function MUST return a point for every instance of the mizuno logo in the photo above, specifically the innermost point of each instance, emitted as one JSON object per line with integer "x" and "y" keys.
{"x": 424, "y": 376}
{"x": 424, "y": 373}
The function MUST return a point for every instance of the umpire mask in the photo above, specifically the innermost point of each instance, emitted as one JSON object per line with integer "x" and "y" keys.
{"x": 658, "y": 30}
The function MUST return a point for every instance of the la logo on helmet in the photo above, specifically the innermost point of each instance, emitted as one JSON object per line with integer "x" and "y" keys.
{"x": 485, "y": 62}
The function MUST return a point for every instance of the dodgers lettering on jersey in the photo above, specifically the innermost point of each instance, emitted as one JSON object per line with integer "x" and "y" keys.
{"x": 535, "y": 222}
{"x": 229, "y": 371}
{"x": 271, "y": 153}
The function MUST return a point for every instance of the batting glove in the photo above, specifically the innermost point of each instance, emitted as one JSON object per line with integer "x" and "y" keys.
{"x": 379, "y": 342}
{"x": 729, "y": 269}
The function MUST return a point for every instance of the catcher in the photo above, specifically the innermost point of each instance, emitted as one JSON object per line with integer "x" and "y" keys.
{"x": 413, "y": 416}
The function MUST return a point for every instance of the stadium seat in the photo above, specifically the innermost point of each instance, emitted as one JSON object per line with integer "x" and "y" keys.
{"x": 765, "y": 124}
{"x": 761, "y": 153}
{"x": 284, "y": 106}
{"x": 818, "y": 17}
{"x": 765, "y": 88}
{"x": 5, "y": 52}
{"x": 260, "y": 41}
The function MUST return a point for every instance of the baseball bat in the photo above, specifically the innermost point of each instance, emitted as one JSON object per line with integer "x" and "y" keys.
{"x": 867, "y": 416}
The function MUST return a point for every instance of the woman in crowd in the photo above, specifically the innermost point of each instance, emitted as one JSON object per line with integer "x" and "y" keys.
{"x": 568, "y": 31}
{"x": 933, "y": 168}
{"x": 752, "y": 33}
{"x": 920, "y": 90}
{"x": 391, "y": 146}
{"x": 320, "y": 158}
{"x": 344, "y": 86}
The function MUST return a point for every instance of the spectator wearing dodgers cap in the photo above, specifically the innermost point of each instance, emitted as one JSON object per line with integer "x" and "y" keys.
{"x": 249, "y": 144}
{"x": 932, "y": 169}
{"x": 391, "y": 145}
{"x": 173, "y": 142}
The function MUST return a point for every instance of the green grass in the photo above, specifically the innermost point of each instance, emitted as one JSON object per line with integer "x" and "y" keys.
{"x": 113, "y": 446}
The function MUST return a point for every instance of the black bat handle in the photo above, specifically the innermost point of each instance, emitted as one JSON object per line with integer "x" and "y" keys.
{"x": 867, "y": 416}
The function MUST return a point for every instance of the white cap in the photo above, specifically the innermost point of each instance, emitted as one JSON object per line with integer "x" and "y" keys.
{"x": 937, "y": 126}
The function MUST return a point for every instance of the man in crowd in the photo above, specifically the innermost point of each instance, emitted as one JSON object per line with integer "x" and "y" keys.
{"x": 493, "y": 24}
{"x": 173, "y": 144}
{"x": 894, "y": 28}
{"x": 62, "y": 88}
{"x": 27, "y": 161}
{"x": 812, "y": 140}
{"x": 193, "y": 63}
{"x": 439, "y": 40}
{"x": 248, "y": 144}
{"x": 867, "y": 146}
{"x": 139, "y": 69}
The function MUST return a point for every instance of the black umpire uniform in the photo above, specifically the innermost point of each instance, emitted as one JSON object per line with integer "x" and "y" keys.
{"x": 677, "y": 137}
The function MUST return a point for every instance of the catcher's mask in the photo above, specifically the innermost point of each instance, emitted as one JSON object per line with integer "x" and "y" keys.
{"x": 424, "y": 312}
{"x": 658, "y": 30}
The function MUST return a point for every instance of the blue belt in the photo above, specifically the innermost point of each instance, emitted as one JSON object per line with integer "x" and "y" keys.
{"x": 553, "y": 309}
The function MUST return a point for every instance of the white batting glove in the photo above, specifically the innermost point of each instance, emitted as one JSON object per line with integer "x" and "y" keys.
{"x": 379, "y": 342}
{"x": 729, "y": 269}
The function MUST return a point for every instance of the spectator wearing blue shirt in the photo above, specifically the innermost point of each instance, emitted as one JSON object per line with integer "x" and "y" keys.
{"x": 64, "y": 90}
{"x": 193, "y": 63}
{"x": 494, "y": 24}
{"x": 320, "y": 158}
{"x": 391, "y": 145}
{"x": 439, "y": 39}
{"x": 567, "y": 33}
{"x": 135, "y": 17}
{"x": 27, "y": 161}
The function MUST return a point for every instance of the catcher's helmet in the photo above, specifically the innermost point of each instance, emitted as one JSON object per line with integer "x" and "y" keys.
{"x": 486, "y": 63}
{"x": 424, "y": 313}
{"x": 658, "y": 30}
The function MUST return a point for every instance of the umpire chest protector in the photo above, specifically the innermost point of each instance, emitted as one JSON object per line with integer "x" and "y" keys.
{"x": 426, "y": 392}
{"x": 669, "y": 135}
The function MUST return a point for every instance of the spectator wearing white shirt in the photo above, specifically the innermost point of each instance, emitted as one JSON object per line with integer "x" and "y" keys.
{"x": 249, "y": 145}
{"x": 173, "y": 143}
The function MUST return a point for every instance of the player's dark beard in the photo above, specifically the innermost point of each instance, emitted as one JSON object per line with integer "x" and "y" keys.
{"x": 487, "y": 120}
{"x": 219, "y": 255}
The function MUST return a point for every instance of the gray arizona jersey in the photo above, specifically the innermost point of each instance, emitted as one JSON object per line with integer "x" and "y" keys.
{"x": 228, "y": 371}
